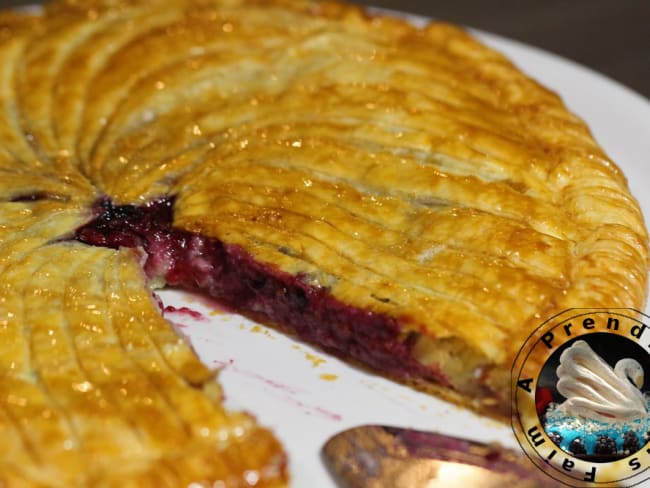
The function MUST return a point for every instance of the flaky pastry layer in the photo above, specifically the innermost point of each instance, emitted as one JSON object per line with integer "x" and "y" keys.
{"x": 411, "y": 174}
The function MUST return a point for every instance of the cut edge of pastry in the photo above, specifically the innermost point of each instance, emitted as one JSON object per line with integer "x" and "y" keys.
{"x": 613, "y": 271}
{"x": 586, "y": 184}
{"x": 371, "y": 339}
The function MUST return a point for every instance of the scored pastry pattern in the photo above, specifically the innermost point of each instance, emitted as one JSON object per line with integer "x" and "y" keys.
{"x": 403, "y": 197}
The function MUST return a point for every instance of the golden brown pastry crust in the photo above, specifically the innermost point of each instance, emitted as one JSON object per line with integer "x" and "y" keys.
{"x": 96, "y": 388}
{"x": 411, "y": 172}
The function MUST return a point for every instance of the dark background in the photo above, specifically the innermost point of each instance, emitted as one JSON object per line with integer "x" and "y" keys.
{"x": 611, "y": 347}
{"x": 610, "y": 36}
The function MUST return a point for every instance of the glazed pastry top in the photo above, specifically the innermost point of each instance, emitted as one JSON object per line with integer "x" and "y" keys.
{"x": 409, "y": 172}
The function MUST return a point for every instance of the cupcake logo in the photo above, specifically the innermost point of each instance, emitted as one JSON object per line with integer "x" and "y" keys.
{"x": 597, "y": 410}
{"x": 581, "y": 397}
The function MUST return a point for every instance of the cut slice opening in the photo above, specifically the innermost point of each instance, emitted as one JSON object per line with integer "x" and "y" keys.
{"x": 177, "y": 258}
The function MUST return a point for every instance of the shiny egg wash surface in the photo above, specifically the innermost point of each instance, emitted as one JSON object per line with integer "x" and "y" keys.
{"x": 402, "y": 197}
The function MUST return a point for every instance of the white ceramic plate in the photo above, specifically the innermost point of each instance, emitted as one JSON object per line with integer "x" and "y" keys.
{"x": 306, "y": 396}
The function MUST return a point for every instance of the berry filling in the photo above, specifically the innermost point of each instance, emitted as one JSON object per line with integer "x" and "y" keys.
{"x": 229, "y": 274}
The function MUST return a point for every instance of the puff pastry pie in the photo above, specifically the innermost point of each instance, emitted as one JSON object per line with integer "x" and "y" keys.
{"x": 404, "y": 198}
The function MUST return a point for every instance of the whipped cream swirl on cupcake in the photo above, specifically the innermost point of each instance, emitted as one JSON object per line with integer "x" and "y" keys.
{"x": 595, "y": 390}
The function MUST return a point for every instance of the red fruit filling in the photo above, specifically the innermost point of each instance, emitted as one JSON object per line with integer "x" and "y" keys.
{"x": 229, "y": 274}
